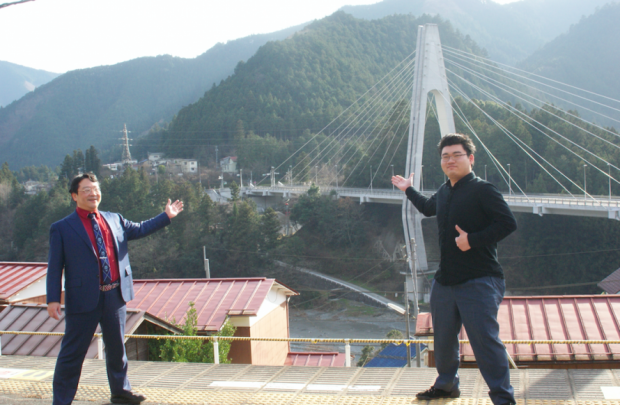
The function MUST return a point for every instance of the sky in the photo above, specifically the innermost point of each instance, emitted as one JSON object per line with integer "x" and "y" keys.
{"x": 63, "y": 35}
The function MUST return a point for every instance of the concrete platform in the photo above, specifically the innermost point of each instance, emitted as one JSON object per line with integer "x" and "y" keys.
{"x": 27, "y": 380}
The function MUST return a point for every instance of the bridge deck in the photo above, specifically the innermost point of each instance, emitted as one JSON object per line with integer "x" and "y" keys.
{"x": 187, "y": 383}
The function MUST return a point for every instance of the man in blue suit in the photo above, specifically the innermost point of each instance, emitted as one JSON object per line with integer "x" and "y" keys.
{"x": 91, "y": 247}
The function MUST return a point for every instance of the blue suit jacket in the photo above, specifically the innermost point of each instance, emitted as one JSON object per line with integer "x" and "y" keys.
{"x": 72, "y": 250}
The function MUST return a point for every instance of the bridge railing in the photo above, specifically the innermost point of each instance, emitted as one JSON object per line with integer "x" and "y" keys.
{"x": 550, "y": 199}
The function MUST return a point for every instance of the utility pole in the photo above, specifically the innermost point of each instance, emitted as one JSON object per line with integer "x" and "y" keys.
{"x": 206, "y": 261}
{"x": 126, "y": 159}
{"x": 241, "y": 178}
{"x": 407, "y": 328}
{"x": 217, "y": 161}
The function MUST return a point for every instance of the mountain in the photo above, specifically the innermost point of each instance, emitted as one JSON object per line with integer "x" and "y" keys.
{"x": 89, "y": 106}
{"x": 17, "y": 80}
{"x": 301, "y": 84}
{"x": 509, "y": 32}
{"x": 586, "y": 56}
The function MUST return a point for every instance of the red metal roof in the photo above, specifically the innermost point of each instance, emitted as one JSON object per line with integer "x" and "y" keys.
{"x": 611, "y": 283}
{"x": 15, "y": 276}
{"x": 315, "y": 359}
{"x": 34, "y": 318}
{"x": 213, "y": 298}
{"x": 563, "y": 317}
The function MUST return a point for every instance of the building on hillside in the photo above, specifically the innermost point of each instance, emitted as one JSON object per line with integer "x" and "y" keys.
{"x": 611, "y": 283}
{"x": 155, "y": 157}
{"x": 181, "y": 166}
{"x": 34, "y": 318}
{"x": 257, "y": 307}
{"x": 557, "y": 318}
{"x": 229, "y": 164}
{"x": 32, "y": 187}
{"x": 23, "y": 282}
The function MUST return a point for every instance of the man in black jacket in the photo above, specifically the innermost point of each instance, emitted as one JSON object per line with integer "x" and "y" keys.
{"x": 468, "y": 288}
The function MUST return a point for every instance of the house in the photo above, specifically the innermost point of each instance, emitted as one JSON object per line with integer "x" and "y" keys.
{"x": 257, "y": 307}
{"x": 155, "y": 157}
{"x": 32, "y": 187}
{"x": 182, "y": 166}
{"x": 557, "y": 318}
{"x": 34, "y": 318}
{"x": 23, "y": 282}
{"x": 229, "y": 164}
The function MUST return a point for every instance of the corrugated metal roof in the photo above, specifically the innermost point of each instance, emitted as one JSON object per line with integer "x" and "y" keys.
{"x": 393, "y": 356}
{"x": 214, "y": 298}
{"x": 611, "y": 283}
{"x": 315, "y": 359}
{"x": 34, "y": 318}
{"x": 562, "y": 317}
{"x": 15, "y": 276}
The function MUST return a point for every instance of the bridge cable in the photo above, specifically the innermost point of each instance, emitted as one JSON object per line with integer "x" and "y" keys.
{"x": 520, "y": 115}
{"x": 507, "y": 132}
{"x": 494, "y": 65}
{"x": 367, "y": 106}
{"x": 541, "y": 107}
{"x": 345, "y": 110}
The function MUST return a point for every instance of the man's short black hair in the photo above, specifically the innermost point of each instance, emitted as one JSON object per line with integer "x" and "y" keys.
{"x": 457, "y": 139}
{"x": 75, "y": 183}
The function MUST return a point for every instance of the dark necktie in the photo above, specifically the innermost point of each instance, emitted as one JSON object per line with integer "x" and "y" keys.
{"x": 103, "y": 256}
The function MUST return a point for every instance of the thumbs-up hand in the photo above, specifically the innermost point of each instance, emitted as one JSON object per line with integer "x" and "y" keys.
{"x": 461, "y": 240}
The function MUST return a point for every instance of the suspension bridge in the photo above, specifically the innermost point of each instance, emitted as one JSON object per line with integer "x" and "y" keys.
{"x": 383, "y": 133}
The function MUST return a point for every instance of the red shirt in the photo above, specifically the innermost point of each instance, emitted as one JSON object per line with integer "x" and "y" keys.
{"x": 108, "y": 238}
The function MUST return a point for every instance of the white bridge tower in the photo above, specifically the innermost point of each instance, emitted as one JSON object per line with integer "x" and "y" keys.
{"x": 429, "y": 77}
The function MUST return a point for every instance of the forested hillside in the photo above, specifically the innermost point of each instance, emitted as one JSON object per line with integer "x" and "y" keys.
{"x": 586, "y": 56}
{"x": 293, "y": 88}
{"x": 16, "y": 80}
{"x": 509, "y": 32}
{"x": 89, "y": 106}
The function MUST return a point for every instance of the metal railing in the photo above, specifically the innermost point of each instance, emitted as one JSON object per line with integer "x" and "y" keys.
{"x": 346, "y": 342}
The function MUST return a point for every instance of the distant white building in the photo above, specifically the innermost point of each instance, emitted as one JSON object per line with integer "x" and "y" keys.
{"x": 183, "y": 166}
{"x": 155, "y": 156}
{"x": 229, "y": 164}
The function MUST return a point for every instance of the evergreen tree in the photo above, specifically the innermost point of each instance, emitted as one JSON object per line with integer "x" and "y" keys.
{"x": 270, "y": 229}
{"x": 234, "y": 191}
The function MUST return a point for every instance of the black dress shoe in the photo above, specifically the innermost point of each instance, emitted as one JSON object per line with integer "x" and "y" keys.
{"x": 436, "y": 393}
{"x": 127, "y": 398}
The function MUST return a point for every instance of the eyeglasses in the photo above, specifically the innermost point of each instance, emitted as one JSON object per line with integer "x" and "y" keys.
{"x": 89, "y": 190}
{"x": 447, "y": 158}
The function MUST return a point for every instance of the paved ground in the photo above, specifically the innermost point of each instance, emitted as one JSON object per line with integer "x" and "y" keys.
{"x": 27, "y": 380}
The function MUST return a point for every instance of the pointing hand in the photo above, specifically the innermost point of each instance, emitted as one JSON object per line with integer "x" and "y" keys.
{"x": 401, "y": 182}
{"x": 462, "y": 242}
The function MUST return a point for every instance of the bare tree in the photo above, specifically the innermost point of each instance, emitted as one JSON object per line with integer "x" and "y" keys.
{"x": 13, "y": 3}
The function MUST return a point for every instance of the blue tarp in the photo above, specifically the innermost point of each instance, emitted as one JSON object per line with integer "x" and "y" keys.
{"x": 393, "y": 356}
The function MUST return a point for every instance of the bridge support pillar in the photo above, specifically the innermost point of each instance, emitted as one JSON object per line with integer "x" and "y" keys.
{"x": 429, "y": 77}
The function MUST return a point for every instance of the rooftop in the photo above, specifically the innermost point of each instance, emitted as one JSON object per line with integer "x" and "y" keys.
{"x": 214, "y": 299}
{"x": 16, "y": 276}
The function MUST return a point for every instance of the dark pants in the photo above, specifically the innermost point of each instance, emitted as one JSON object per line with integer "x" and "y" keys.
{"x": 79, "y": 329}
{"x": 474, "y": 304}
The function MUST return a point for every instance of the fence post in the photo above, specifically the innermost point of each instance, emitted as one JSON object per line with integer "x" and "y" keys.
{"x": 216, "y": 351}
{"x": 100, "y": 347}
{"x": 347, "y": 353}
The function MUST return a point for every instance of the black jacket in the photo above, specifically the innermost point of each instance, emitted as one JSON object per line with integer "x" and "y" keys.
{"x": 479, "y": 209}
